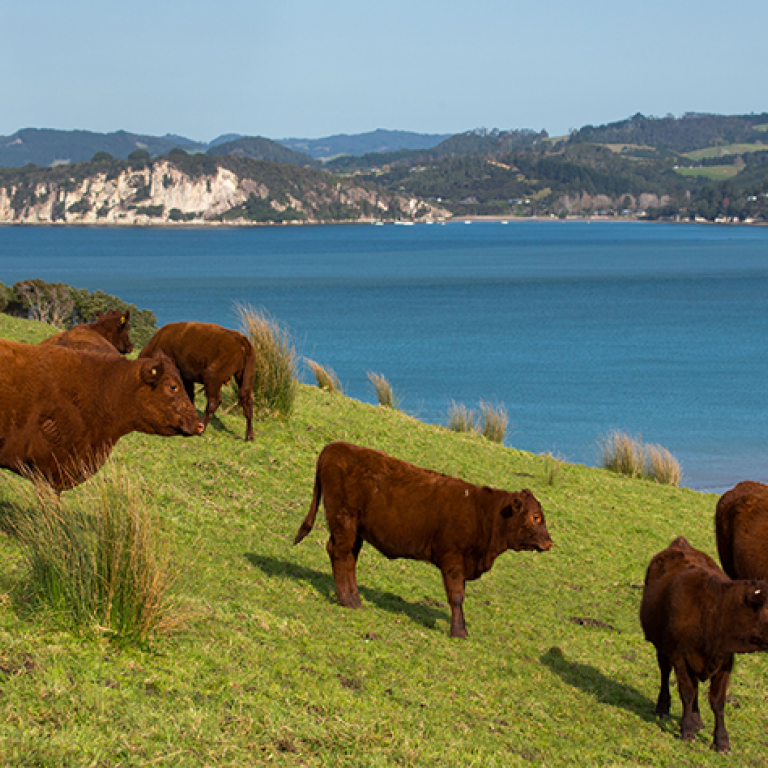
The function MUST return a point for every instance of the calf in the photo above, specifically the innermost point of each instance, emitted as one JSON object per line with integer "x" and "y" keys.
{"x": 62, "y": 411}
{"x": 698, "y": 618}
{"x": 406, "y": 511}
{"x": 109, "y": 333}
{"x": 210, "y": 355}
{"x": 741, "y": 527}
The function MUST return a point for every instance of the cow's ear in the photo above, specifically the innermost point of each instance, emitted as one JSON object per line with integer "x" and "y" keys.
{"x": 756, "y": 597}
{"x": 515, "y": 505}
{"x": 98, "y": 315}
{"x": 152, "y": 371}
{"x": 126, "y": 317}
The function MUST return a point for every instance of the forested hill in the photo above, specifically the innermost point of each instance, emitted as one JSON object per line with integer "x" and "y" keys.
{"x": 689, "y": 133}
{"x": 183, "y": 189}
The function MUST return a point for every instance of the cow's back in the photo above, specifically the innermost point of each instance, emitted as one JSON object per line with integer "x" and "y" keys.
{"x": 741, "y": 527}
{"x": 675, "y": 581}
{"x": 402, "y": 509}
{"x": 82, "y": 338}
{"x": 197, "y": 346}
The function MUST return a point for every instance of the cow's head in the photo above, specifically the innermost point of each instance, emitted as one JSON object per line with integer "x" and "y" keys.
{"x": 747, "y": 614}
{"x": 165, "y": 408}
{"x": 116, "y": 329}
{"x": 526, "y": 527}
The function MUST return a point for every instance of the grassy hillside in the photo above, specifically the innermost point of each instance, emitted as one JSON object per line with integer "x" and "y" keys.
{"x": 268, "y": 668}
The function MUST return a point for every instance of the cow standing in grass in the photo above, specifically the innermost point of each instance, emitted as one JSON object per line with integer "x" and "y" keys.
{"x": 741, "y": 526}
{"x": 407, "y": 511}
{"x": 698, "y": 618}
{"x": 62, "y": 411}
{"x": 210, "y": 355}
{"x": 109, "y": 334}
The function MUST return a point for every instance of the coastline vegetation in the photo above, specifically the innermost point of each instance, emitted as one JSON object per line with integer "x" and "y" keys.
{"x": 267, "y": 667}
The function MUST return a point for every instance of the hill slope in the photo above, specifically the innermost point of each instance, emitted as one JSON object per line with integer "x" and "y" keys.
{"x": 182, "y": 189}
{"x": 267, "y": 666}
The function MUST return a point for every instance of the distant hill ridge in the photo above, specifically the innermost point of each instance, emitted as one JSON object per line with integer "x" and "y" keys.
{"x": 47, "y": 147}
{"x": 691, "y": 132}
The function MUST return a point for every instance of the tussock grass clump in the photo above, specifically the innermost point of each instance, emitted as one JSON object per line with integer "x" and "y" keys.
{"x": 326, "y": 377}
{"x": 274, "y": 388}
{"x": 384, "y": 392}
{"x": 552, "y": 466}
{"x": 662, "y": 466}
{"x": 490, "y": 421}
{"x": 627, "y": 455}
{"x": 461, "y": 418}
{"x": 95, "y": 557}
{"x": 622, "y": 453}
{"x": 493, "y": 421}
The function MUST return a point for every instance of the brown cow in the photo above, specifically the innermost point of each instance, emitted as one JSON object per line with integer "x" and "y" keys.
{"x": 62, "y": 411}
{"x": 698, "y": 618}
{"x": 741, "y": 526}
{"x": 108, "y": 333}
{"x": 406, "y": 511}
{"x": 210, "y": 355}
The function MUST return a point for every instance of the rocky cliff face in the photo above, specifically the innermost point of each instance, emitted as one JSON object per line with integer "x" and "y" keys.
{"x": 161, "y": 193}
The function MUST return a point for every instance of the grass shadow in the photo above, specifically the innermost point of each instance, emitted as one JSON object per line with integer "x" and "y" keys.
{"x": 421, "y": 612}
{"x": 592, "y": 681}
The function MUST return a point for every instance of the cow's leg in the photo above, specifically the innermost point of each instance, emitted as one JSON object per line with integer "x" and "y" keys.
{"x": 688, "y": 686}
{"x": 343, "y": 550}
{"x": 453, "y": 579}
{"x": 189, "y": 388}
{"x": 213, "y": 395}
{"x": 246, "y": 403}
{"x": 717, "y": 690}
{"x": 664, "y": 701}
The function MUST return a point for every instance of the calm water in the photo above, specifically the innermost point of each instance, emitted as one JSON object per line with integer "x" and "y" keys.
{"x": 577, "y": 328}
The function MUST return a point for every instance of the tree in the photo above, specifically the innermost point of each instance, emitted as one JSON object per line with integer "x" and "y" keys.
{"x": 50, "y": 303}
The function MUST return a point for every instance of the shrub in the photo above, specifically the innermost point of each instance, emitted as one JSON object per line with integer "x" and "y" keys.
{"x": 95, "y": 556}
{"x": 274, "y": 388}
{"x": 384, "y": 392}
{"x": 326, "y": 377}
{"x": 627, "y": 455}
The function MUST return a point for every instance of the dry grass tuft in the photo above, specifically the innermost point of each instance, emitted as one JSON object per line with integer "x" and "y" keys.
{"x": 274, "y": 388}
{"x": 627, "y": 455}
{"x": 326, "y": 377}
{"x": 384, "y": 392}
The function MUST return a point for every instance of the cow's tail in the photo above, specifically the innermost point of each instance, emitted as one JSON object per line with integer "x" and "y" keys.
{"x": 249, "y": 373}
{"x": 309, "y": 520}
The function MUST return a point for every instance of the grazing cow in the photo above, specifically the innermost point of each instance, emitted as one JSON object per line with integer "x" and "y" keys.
{"x": 62, "y": 411}
{"x": 210, "y": 355}
{"x": 741, "y": 526}
{"x": 698, "y": 618}
{"x": 406, "y": 511}
{"x": 108, "y": 333}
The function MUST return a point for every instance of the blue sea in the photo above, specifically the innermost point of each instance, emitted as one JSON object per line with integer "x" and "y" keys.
{"x": 658, "y": 330}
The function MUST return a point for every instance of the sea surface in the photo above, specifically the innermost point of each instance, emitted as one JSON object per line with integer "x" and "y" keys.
{"x": 576, "y": 328}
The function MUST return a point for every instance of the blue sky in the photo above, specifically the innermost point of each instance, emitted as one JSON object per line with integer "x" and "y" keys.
{"x": 308, "y": 69}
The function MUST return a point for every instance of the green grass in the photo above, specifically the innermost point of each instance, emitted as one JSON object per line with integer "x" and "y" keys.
{"x": 267, "y": 668}
{"x": 715, "y": 172}
{"x": 728, "y": 149}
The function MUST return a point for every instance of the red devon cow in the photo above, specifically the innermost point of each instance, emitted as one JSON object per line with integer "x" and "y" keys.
{"x": 698, "y": 618}
{"x": 62, "y": 411}
{"x": 210, "y": 355}
{"x": 741, "y": 526}
{"x": 108, "y": 333}
{"x": 406, "y": 511}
